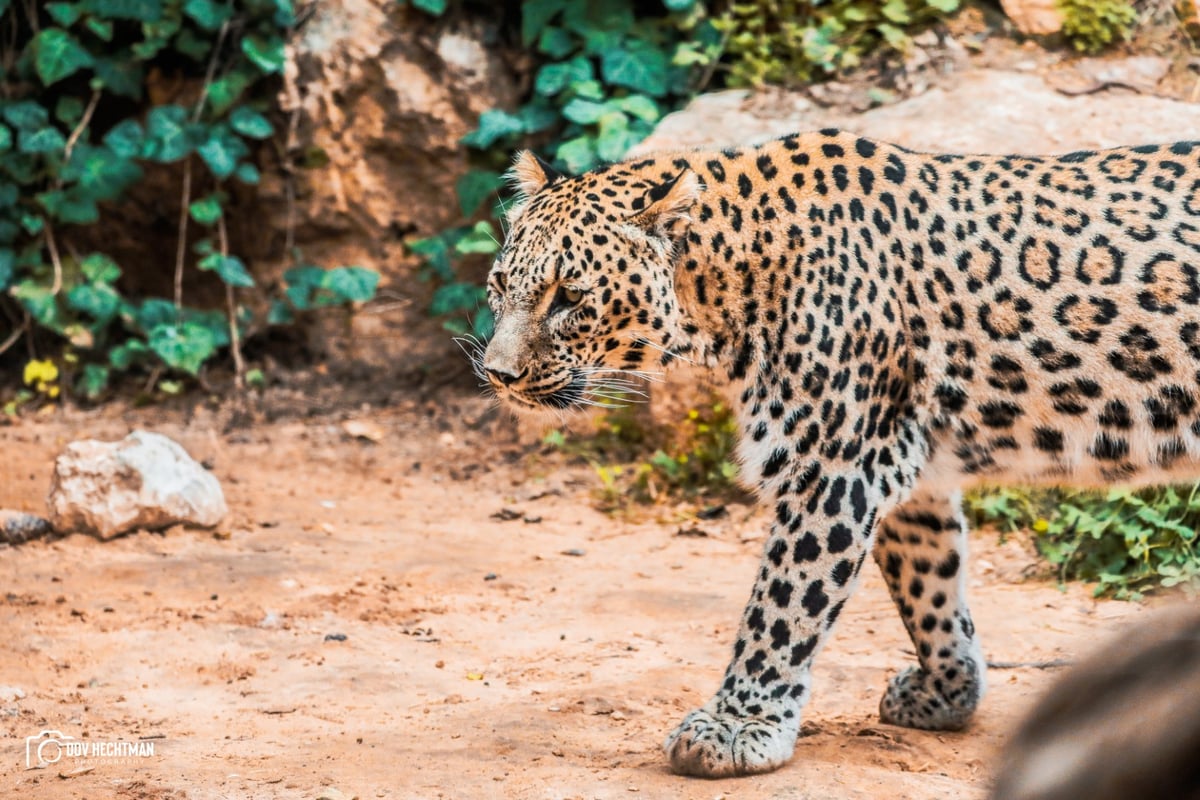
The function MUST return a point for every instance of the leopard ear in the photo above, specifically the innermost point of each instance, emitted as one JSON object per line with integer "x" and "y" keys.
{"x": 668, "y": 202}
{"x": 530, "y": 174}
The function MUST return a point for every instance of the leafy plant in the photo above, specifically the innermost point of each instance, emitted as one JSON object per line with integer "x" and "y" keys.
{"x": 79, "y": 129}
{"x": 796, "y": 41}
{"x": 607, "y": 73}
{"x": 1092, "y": 25}
{"x": 636, "y": 460}
{"x": 1128, "y": 542}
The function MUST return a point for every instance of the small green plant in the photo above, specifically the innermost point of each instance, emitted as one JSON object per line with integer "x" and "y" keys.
{"x": 1128, "y": 542}
{"x": 638, "y": 461}
{"x": 797, "y": 41}
{"x": 608, "y": 72}
{"x": 78, "y": 130}
{"x": 1092, "y": 25}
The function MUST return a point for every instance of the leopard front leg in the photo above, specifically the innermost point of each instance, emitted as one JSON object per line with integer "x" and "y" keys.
{"x": 824, "y": 526}
{"x": 921, "y": 549}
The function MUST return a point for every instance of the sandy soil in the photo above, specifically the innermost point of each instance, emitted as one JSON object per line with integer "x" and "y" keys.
{"x": 544, "y": 656}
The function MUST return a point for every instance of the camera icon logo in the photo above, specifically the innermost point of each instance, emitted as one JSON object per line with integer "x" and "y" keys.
{"x": 45, "y": 748}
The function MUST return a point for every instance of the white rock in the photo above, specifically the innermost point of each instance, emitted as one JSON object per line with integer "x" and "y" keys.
{"x": 982, "y": 111}
{"x": 143, "y": 481}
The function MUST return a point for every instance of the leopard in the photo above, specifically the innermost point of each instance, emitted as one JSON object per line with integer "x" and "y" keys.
{"x": 897, "y": 327}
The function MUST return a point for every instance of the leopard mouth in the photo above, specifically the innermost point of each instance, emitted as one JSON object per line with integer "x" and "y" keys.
{"x": 568, "y": 395}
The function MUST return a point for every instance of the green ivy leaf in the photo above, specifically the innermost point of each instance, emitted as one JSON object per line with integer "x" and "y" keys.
{"x": 944, "y": 6}
{"x": 192, "y": 45}
{"x": 679, "y": 6}
{"x": 25, "y": 115}
{"x": 578, "y": 154}
{"x": 455, "y": 297}
{"x": 536, "y": 117}
{"x": 93, "y": 380}
{"x": 167, "y": 135}
{"x": 47, "y": 140}
{"x": 68, "y": 110}
{"x": 640, "y": 106}
{"x": 100, "y": 171}
{"x": 125, "y": 355}
{"x": 139, "y": 10}
{"x": 120, "y": 76}
{"x": 615, "y": 137}
{"x": 41, "y": 304}
{"x": 536, "y": 15}
{"x": 249, "y": 122}
{"x": 280, "y": 314}
{"x": 433, "y": 7}
{"x": 6, "y": 139}
{"x": 230, "y": 269}
{"x": 207, "y": 14}
{"x": 65, "y": 14}
{"x": 100, "y": 301}
{"x": 206, "y": 210}
{"x": 69, "y": 206}
{"x": 125, "y": 138}
{"x": 155, "y": 311}
{"x": 225, "y": 92}
{"x": 247, "y": 173}
{"x": 494, "y": 125}
{"x": 265, "y": 52}
{"x": 101, "y": 28}
{"x": 475, "y": 186}
{"x": 896, "y": 11}
{"x": 479, "y": 239}
{"x": 351, "y": 284}
{"x": 222, "y": 151}
{"x": 435, "y": 250}
{"x": 556, "y": 43}
{"x": 57, "y": 55}
{"x": 553, "y": 78}
{"x": 638, "y": 65}
{"x": 99, "y": 268}
{"x": 183, "y": 346}
{"x": 585, "y": 112}
{"x": 8, "y": 260}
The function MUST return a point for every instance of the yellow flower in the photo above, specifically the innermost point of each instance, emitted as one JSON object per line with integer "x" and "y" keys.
{"x": 1041, "y": 525}
{"x": 40, "y": 372}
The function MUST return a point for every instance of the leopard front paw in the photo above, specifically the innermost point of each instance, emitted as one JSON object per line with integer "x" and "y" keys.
{"x": 713, "y": 745}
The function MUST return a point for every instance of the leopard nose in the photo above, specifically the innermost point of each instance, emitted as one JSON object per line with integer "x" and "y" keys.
{"x": 505, "y": 377}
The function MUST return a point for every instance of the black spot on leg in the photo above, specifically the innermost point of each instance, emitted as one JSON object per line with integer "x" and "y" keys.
{"x": 949, "y": 567}
{"x": 815, "y": 600}
{"x": 781, "y": 634}
{"x": 840, "y": 538}
{"x": 780, "y": 592}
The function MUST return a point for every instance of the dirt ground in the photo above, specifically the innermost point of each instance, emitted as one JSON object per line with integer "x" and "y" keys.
{"x": 543, "y": 656}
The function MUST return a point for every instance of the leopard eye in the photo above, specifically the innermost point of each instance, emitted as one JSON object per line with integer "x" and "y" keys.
{"x": 500, "y": 282}
{"x": 567, "y": 297}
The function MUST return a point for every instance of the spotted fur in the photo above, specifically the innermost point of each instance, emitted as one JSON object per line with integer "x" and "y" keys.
{"x": 901, "y": 326}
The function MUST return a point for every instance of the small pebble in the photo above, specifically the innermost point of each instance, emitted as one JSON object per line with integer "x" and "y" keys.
{"x": 335, "y": 637}
{"x": 574, "y": 551}
{"x": 491, "y": 576}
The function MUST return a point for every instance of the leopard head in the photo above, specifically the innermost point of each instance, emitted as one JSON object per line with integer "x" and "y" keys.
{"x": 583, "y": 289}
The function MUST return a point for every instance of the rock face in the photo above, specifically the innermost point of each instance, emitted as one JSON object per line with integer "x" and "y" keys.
{"x": 983, "y": 111}
{"x": 381, "y": 94}
{"x": 143, "y": 481}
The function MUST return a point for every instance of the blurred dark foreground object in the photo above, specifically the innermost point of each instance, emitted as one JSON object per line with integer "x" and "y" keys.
{"x": 1123, "y": 724}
